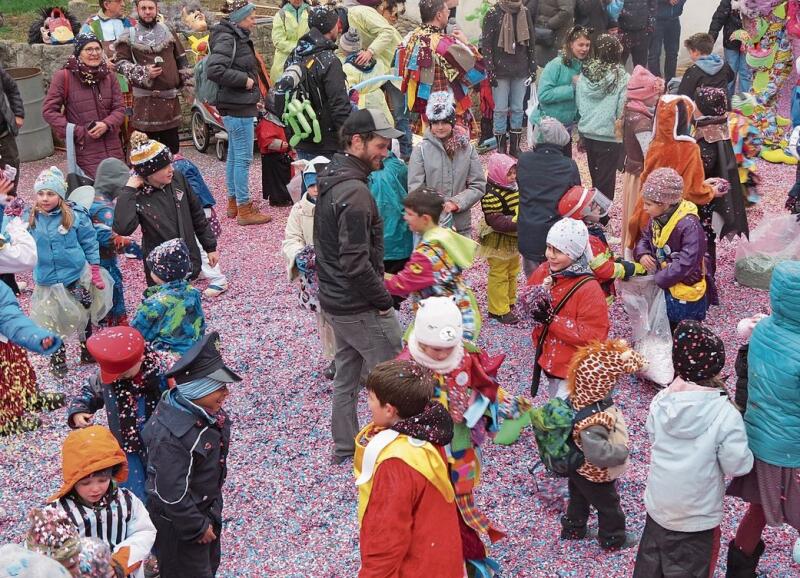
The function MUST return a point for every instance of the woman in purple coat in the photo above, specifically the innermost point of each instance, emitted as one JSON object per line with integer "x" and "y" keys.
{"x": 93, "y": 111}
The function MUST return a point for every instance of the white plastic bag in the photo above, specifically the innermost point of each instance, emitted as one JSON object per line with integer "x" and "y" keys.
{"x": 646, "y": 307}
{"x": 776, "y": 239}
{"x": 533, "y": 111}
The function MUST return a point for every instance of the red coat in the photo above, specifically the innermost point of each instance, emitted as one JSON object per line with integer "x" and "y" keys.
{"x": 408, "y": 529}
{"x": 583, "y": 318}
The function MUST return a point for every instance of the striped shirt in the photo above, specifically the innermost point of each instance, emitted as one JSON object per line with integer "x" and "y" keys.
{"x": 109, "y": 524}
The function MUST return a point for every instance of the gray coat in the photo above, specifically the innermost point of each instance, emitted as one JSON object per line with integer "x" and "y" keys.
{"x": 460, "y": 179}
{"x": 10, "y": 102}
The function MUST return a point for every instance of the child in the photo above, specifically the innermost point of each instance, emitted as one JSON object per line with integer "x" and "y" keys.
{"x": 603, "y": 439}
{"x": 371, "y": 94}
{"x": 498, "y": 237}
{"x": 579, "y": 311}
{"x": 438, "y": 262}
{"x": 128, "y": 384}
{"x": 744, "y": 330}
{"x": 708, "y": 69}
{"x": 276, "y": 163}
{"x": 590, "y": 206}
{"x": 447, "y": 162}
{"x": 54, "y": 535}
{"x": 406, "y": 510}
{"x": 92, "y": 465}
{"x": 298, "y": 253}
{"x": 185, "y": 487}
{"x": 673, "y": 247}
{"x": 697, "y": 438}
{"x": 72, "y": 291}
{"x": 170, "y": 318}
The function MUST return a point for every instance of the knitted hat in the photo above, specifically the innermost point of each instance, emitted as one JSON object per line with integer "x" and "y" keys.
{"x": 237, "y": 10}
{"x": 644, "y": 85}
{"x": 550, "y": 131}
{"x": 571, "y": 237}
{"x": 697, "y": 353}
{"x": 17, "y": 562}
{"x": 51, "y": 179}
{"x": 441, "y": 107}
{"x": 95, "y": 559}
{"x": 711, "y": 101}
{"x": 499, "y": 166}
{"x": 52, "y": 534}
{"x": 350, "y": 41}
{"x": 438, "y": 322}
{"x": 148, "y": 156}
{"x": 170, "y": 260}
{"x": 745, "y": 327}
{"x": 82, "y": 39}
{"x": 323, "y": 19}
{"x": 116, "y": 350}
{"x": 664, "y": 186}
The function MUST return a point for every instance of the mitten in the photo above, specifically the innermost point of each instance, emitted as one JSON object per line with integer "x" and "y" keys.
{"x": 15, "y": 207}
{"x": 97, "y": 280}
{"x": 542, "y": 312}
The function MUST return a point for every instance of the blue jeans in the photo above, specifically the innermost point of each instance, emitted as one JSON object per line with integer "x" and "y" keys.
{"x": 737, "y": 61}
{"x": 508, "y": 94}
{"x": 241, "y": 132}
{"x": 397, "y": 104}
{"x": 667, "y": 33}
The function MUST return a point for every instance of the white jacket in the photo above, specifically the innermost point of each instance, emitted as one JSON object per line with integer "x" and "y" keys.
{"x": 698, "y": 438}
{"x": 18, "y": 251}
{"x": 299, "y": 232}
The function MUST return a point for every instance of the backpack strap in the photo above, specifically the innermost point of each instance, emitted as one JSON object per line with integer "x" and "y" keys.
{"x": 592, "y": 409}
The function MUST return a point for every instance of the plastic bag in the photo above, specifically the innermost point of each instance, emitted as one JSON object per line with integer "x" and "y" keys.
{"x": 533, "y": 113}
{"x": 295, "y": 190}
{"x": 646, "y": 307}
{"x": 776, "y": 239}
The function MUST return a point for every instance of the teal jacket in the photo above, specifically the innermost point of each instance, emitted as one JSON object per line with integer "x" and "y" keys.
{"x": 556, "y": 91}
{"x": 389, "y": 187}
{"x": 601, "y": 104}
{"x": 772, "y": 418}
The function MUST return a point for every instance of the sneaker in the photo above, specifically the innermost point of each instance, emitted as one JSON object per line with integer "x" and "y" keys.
{"x": 631, "y": 540}
{"x": 215, "y": 290}
{"x": 133, "y": 251}
{"x": 339, "y": 460}
{"x": 330, "y": 371}
{"x": 508, "y": 319}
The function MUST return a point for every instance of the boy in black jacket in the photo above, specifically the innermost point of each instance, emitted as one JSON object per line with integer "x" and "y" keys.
{"x": 708, "y": 69}
{"x": 729, "y": 20}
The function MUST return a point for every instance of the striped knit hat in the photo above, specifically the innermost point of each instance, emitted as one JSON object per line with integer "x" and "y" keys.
{"x": 148, "y": 156}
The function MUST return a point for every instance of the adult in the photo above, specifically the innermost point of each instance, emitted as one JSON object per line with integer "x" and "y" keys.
{"x": 560, "y": 76}
{"x": 325, "y": 79}
{"x": 12, "y": 117}
{"x": 375, "y": 22}
{"x": 84, "y": 106}
{"x": 153, "y": 60}
{"x": 728, "y": 20}
{"x": 593, "y": 15}
{"x": 553, "y": 21}
{"x": 288, "y": 26}
{"x": 666, "y": 33}
{"x": 507, "y": 45}
{"x": 233, "y": 65}
{"x": 636, "y": 23}
{"x": 543, "y": 175}
{"x": 348, "y": 237}
{"x": 772, "y": 421}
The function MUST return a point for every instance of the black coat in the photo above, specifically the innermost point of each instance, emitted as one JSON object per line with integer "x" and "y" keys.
{"x": 348, "y": 240}
{"x": 593, "y": 14}
{"x": 554, "y": 15}
{"x": 186, "y": 468}
{"x": 695, "y": 77}
{"x": 499, "y": 64}
{"x": 728, "y": 20}
{"x": 231, "y": 71}
{"x": 543, "y": 176}
{"x": 14, "y": 107}
{"x": 169, "y": 213}
{"x": 637, "y": 15}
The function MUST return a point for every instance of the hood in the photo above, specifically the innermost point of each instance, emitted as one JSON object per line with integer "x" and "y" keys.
{"x": 90, "y": 450}
{"x": 499, "y": 165}
{"x": 599, "y": 86}
{"x": 343, "y": 167}
{"x": 686, "y": 410}
{"x": 673, "y": 119}
{"x": 784, "y": 293}
{"x": 311, "y": 43}
{"x": 643, "y": 85}
{"x": 710, "y": 64}
{"x": 112, "y": 175}
{"x": 461, "y": 249}
{"x": 587, "y": 385}
{"x": 433, "y": 425}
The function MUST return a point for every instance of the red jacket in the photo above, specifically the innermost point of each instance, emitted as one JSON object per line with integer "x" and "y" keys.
{"x": 582, "y": 319}
{"x": 408, "y": 529}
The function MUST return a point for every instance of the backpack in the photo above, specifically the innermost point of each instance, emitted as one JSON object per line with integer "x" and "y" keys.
{"x": 553, "y": 424}
{"x": 207, "y": 90}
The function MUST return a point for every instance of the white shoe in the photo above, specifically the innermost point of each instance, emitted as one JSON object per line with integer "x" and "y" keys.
{"x": 22, "y": 285}
{"x": 215, "y": 290}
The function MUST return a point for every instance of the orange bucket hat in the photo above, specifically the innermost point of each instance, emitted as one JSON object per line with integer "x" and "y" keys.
{"x": 86, "y": 451}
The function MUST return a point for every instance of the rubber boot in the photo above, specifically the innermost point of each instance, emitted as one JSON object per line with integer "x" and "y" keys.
{"x": 249, "y": 216}
{"x": 513, "y": 149}
{"x": 740, "y": 565}
{"x": 502, "y": 143}
{"x": 232, "y": 209}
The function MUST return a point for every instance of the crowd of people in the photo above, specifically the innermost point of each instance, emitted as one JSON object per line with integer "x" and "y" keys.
{"x": 375, "y": 225}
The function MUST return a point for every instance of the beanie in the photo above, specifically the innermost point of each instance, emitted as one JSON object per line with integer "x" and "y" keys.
{"x": 323, "y": 19}
{"x": 238, "y": 10}
{"x": 350, "y": 41}
{"x": 52, "y": 534}
{"x": 711, "y": 101}
{"x": 438, "y": 322}
{"x": 664, "y": 186}
{"x": 644, "y": 85}
{"x": 51, "y": 179}
{"x": 697, "y": 353}
{"x": 550, "y": 131}
{"x": 82, "y": 39}
{"x": 571, "y": 237}
{"x": 441, "y": 107}
{"x": 148, "y": 156}
{"x": 170, "y": 261}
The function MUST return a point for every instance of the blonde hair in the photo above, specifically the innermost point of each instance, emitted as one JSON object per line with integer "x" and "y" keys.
{"x": 67, "y": 216}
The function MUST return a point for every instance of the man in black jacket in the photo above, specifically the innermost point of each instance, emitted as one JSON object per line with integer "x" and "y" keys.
{"x": 636, "y": 22}
{"x": 729, "y": 20}
{"x": 12, "y": 116}
{"x": 348, "y": 239}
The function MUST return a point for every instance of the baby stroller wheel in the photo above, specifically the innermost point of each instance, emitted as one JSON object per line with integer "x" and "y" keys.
{"x": 200, "y": 132}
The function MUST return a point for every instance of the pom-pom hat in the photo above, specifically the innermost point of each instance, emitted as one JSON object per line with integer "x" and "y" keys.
{"x": 441, "y": 107}
{"x": 148, "y": 156}
{"x": 438, "y": 322}
{"x": 663, "y": 186}
{"x": 51, "y": 179}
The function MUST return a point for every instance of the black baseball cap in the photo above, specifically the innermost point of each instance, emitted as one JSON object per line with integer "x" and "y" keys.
{"x": 365, "y": 121}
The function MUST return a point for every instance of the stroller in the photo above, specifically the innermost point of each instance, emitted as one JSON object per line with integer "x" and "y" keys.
{"x": 207, "y": 122}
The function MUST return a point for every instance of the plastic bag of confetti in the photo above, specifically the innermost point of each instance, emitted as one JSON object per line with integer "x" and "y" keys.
{"x": 776, "y": 239}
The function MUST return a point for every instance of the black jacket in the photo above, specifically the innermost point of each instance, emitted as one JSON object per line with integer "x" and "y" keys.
{"x": 186, "y": 468}
{"x": 499, "y": 64}
{"x": 637, "y": 15}
{"x": 695, "y": 77}
{"x": 554, "y": 15}
{"x": 231, "y": 71}
{"x": 667, "y": 11}
{"x": 543, "y": 176}
{"x": 14, "y": 107}
{"x": 164, "y": 214}
{"x": 728, "y": 20}
{"x": 348, "y": 240}
{"x": 593, "y": 14}
{"x": 326, "y": 84}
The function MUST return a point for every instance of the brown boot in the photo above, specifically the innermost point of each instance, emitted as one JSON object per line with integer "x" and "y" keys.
{"x": 249, "y": 216}
{"x": 233, "y": 209}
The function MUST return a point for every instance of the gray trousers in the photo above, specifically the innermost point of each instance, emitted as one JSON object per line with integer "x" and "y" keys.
{"x": 362, "y": 341}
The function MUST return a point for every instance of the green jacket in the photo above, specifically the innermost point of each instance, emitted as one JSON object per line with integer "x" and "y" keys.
{"x": 601, "y": 104}
{"x": 376, "y": 33}
{"x": 287, "y": 28}
{"x": 556, "y": 91}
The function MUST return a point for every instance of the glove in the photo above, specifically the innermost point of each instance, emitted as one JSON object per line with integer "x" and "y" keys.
{"x": 51, "y": 344}
{"x": 121, "y": 242}
{"x": 542, "y": 312}
{"x": 97, "y": 280}
{"x": 15, "y": 207}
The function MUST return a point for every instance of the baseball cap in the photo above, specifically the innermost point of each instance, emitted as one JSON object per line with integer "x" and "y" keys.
{"x": 365, "y": 121}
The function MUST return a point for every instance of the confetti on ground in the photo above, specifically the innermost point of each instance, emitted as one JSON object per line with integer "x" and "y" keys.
{"x": 290, "y": 514}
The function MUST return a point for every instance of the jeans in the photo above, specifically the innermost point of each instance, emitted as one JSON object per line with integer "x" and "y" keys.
{"x": 668, "y": 34}
{"x": 737, "y": 61}
{"x": 241, "y": 132}
{"x": 508, "y": 94}
{"x": 397, "y": 104}
{"x": 362, "y": 341}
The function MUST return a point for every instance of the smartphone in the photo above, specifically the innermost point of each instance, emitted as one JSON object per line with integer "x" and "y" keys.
{"x": 93, "y": 124}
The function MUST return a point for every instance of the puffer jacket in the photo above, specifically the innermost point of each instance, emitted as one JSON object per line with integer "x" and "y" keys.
{"x": 299, "y": 233}
{"x": 499, "y": 64}
{"x": 389, "y": 186}
{"x": 558, "y": 16}
{"x": 84, "y": 104}
{"x": 231, "y": 71}
{"x": 556, "y": 91}
{"x": 772, "y": 418}
{"x": 728, "y": 20}
{"x": 601, "y": 104}
{"x": 13, "y": 106}
{"x": 637, "y": 15}
{"x": 697, "y": 438}
{"x": 17, "y": 328}
{"x": 63, "y": 256}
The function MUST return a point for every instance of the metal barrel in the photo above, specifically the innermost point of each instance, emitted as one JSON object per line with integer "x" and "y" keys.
{"x": 35, "y": 139}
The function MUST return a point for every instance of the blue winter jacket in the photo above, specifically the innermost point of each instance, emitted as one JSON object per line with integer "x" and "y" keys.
{"x": 389, "y": 186}
{"x": 666, "y": 11}
{"x": 20, "y": 330}
{"x": 772, "y": 418}
{"x": 63, "y": 256}
{"x": 195, "y": 179}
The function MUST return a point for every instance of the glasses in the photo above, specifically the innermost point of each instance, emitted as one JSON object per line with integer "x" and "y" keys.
{"x": 92, "y": 50}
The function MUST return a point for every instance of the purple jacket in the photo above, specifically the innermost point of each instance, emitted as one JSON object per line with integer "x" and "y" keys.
{"x": 82, "y": 107}
{"x": 683, "y": 254}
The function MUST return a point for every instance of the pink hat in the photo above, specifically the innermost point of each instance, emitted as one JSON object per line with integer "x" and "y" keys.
{"x": 499, "y": 165}
{"x": 745, "y": 327}
{"x": 644, "y": 85}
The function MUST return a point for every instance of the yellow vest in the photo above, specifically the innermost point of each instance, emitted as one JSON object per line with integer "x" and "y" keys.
{"x": 421, "y": 456}
{"x": 681, "y": 291}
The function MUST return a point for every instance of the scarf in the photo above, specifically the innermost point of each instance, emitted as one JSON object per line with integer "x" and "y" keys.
{"x": 433, "y": 425}
{"x": 577, "y": 269}
{"x": 176, "y": 399}
{"x": 88, "y": 75}
{"x": 511, "y": 35}
{"x": 443, "y": 367}
{"x": 458, "y": 139}
{"x": 127, "y": 393}
{"x": 712, "y": 129}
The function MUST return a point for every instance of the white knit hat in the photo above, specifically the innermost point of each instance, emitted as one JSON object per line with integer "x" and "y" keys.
{"x": 438, "y": 322}
{"x": 441, "y": 107}
{"x": 571, "y": 237}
